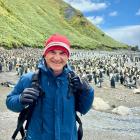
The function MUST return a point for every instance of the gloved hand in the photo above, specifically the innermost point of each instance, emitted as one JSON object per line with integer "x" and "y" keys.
{"x": 29, "y": 95}
{"x": 79, "y": 85}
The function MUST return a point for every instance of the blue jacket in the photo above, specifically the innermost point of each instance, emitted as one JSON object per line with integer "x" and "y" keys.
{"x": 54, "y": 116}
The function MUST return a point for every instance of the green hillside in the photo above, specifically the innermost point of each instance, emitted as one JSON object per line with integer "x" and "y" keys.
{"x": 29, "y": 22}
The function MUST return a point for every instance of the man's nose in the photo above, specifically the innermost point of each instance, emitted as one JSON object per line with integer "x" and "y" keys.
{"x": 57, "y": 56}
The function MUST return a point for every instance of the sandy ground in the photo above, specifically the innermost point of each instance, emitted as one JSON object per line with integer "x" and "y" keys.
{"x": 118, "y": 96}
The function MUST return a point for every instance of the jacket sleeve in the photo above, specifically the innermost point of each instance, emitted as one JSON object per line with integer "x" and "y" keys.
{"x": 85, "y": 100}
{"x": 12, "y": 100}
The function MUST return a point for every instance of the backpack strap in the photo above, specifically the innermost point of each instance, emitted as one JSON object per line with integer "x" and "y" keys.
{"x": 70, "y": 92}
{"x": 35, "y": 79}
{"x": 34, "y": 84}
{"x": 21, "y": 118}
{"x": 80, "y": 128}
{"x": 26, "y": 113}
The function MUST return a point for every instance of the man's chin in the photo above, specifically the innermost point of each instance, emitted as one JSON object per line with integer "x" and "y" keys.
{"x": 57, "y": 71}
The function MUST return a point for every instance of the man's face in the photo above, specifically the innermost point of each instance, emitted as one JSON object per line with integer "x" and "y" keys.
{"x": 56, "y": 60}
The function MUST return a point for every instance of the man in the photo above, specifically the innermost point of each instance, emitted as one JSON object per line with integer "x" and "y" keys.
{"x": 54, "y": 116}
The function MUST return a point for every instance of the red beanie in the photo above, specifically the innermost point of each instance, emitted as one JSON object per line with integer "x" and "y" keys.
{"x": 57, "y": 42}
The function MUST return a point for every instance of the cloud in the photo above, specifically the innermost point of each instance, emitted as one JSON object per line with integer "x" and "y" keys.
{"x": 127, "y": 34}
{"x": 96, "y": 19}
{"x": 138, "y": 12}
{"x": 113, "y": 14}
{"x": 86, "y": 5}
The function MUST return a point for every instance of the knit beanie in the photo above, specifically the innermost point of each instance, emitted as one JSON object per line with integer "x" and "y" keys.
{"x": 57, "y": 42}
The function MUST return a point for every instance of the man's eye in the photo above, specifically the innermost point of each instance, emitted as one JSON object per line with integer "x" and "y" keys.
{"x": 52, "y": 52}
{"x": 63, "y": 53}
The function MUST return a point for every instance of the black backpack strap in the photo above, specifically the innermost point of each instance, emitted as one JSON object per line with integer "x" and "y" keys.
{"x": 70, "y": 93}
{"x": 35, "y": 79}
{"x": 26, "y": 113}
{"x": 34, "y": 84}
{"x": 80, "y": 128}
{"x": 21, "y": 118}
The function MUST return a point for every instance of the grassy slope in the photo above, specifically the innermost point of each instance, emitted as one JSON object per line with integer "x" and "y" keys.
{"x": 28, "y": 23}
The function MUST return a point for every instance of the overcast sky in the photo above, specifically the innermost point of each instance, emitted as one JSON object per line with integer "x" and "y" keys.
{"x": 118, "y": 18}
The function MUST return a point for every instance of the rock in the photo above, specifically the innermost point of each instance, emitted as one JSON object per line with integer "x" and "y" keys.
{"x": 136, "y": 91}
{"x": 100, "y": 104}
{"x": 122, "y": 110}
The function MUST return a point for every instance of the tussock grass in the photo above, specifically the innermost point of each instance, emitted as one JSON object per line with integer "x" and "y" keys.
{"x": 29, "y": 23}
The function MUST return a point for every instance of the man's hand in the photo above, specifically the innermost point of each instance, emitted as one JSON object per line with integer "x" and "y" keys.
{"x": 79, "y": 85}
{"x": 29, "y": 95}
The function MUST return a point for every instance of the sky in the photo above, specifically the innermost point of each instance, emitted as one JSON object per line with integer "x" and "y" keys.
{"x": 119, "y": 19}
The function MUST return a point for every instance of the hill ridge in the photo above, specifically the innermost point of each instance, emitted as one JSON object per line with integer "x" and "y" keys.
{"x": 28, "y": 23}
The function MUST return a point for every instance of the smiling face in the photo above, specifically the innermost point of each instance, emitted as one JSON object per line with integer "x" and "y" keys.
{"x": 56, "y": 60}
